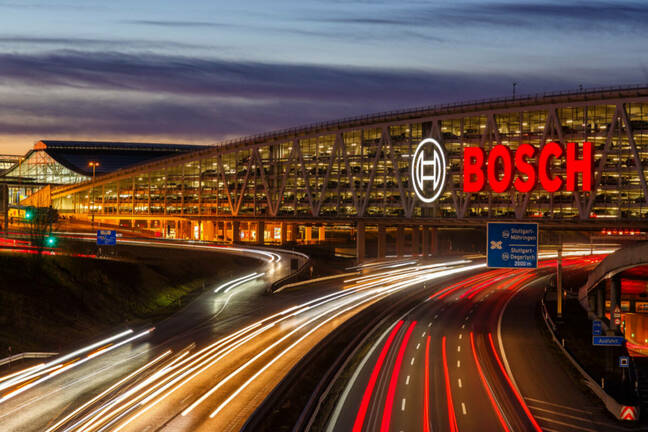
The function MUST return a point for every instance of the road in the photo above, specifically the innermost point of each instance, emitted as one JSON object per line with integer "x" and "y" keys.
{"x": 470, "y": 357}
{"x": 205, "y": 368}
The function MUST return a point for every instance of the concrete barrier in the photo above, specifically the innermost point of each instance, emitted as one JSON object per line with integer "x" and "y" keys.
{"x": 26, "y": 355}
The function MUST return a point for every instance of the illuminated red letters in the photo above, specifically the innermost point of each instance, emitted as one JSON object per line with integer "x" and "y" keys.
{"x": 497, "y": 168}
{"x": 474, "y": 179}
{"x": 523, "y": 152}
{"x": 585, "y": 166}
{"x": 500, "y": 155}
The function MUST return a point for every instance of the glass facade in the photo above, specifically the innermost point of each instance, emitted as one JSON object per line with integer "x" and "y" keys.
{"x": 362, "y": 171}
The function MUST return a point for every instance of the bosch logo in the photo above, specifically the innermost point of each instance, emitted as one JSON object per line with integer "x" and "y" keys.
{"x": 428, "y": 170}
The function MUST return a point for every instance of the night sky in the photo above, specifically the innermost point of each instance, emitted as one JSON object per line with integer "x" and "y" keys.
{"x": 201, "y": 71}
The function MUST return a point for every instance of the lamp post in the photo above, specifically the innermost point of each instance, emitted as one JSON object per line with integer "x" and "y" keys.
{"x": 94, "y": 165}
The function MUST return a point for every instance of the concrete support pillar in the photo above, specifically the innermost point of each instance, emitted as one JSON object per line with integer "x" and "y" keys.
{"x": 208, "y": 230}
{"x": 308, "y": 231}
{"x": 434, "y": 241}
{"x": 425, "y": 233}
{"x": 236, "y": 231}
{"x": 322, "y": 233}
{"x": 382, "y": 241}
{"x": 284, "y": 233}
{"x": 292, "y": 232}
{"x": 360, "y": 241}
{"x": 600, "y": 301}
{"x": 400, "y": 241}
{"x": 615, "y": 298}
{"x": 260, "y": 232}
{"x": 416, "y": 240}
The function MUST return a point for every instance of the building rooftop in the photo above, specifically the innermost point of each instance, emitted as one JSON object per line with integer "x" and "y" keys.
{"x": 111, "y": 156}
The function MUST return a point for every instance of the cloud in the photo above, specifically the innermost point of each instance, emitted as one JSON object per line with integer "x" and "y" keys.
{"x": 89, "y": 43}
{"x": 622, "y": 15}
{"x": 164, "y": 23}
{"x": 68, "y": 94}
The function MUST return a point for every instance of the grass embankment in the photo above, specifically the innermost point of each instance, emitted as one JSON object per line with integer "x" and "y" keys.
{"x": 57, "y": 302}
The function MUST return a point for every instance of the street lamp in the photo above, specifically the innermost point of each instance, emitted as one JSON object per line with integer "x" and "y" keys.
{"x": 94, "y": 166}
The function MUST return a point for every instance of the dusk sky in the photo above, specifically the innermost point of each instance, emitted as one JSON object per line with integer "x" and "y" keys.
{"x": 201, "y": 71}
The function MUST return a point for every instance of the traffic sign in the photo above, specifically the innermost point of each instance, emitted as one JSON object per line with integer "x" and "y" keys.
{"x": 512, "y": 245}
{"x": 608, "y": 340}
{"x": 617, "y": 315}
{"x": 624, "y": 361}
{"x": 597, "y": 328}
{"x": 628, "y": 413}
{"x": 106, "y": 237}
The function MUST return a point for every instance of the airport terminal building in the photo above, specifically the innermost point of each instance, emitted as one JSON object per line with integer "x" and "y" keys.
{"x": 562, "y": 159}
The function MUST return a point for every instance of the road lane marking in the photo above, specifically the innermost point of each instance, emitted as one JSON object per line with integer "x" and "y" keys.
{"x": 436, "y": 316}
{"x": 403, "y": 405}
{"x": 460, "y": 336}
{"x": 423, "y": 335}
{"x": 458, "y": 363}
{"x": 393, "y": 381}
{"x": 430, "y": 324}
{"x": 459, "y": 382}
{"x": 565, "y": 424}
{"x": 557, "y": 405}
{"x": 412, "y": 362}
{"x": 463, "y": 326}
{"x": 418, "y": 346}
{"x": 407, "y": 380}
{"x": 463, "y": 408}
{"x": 458, "y": 348}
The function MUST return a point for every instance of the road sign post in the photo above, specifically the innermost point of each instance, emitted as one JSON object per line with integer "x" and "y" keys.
{"x": 512, "y": 245}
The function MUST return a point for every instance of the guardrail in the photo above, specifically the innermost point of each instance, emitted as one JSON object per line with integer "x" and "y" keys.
{"x": 26, "y": 355}
{"x": 293, "y": 277}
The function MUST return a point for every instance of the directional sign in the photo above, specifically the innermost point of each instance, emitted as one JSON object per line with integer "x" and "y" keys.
{"x": 608, "y": 340}
{"x": 597, "y": 328}
{"x": 624, "y": 361}
{"x": 512, "y": 245}
{"x": 106, "y": 237}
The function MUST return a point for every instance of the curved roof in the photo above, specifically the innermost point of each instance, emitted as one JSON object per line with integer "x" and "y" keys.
{"x": 111, "y": 156}
{"x": 503, "y": 104}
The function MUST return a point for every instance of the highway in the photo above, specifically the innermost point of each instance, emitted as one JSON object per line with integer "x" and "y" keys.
{"x": 470, "y": 357}
{"x": 205, "y": 368}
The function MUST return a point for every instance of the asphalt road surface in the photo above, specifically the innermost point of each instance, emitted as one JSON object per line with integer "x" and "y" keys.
{"x": 471, "y": 357}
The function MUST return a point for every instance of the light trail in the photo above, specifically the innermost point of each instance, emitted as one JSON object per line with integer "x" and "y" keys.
{"x": 489, "y": 392}
{"x": 391, "y": 392}
{"x": 46, "y": 378}
{"x": 126, "y": 408}
{"x": 518, "y": 396}
{"x": 30, "y": 373}
{"x": 236, "y": 282}
{"x": 452, "y": 418}
{"x": 107, "y": 391}
{"x": 366, "y": 396}
{"x": 426, "y": 387}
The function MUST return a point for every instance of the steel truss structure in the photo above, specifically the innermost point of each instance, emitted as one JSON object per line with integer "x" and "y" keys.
{"x": 358, "y": 169}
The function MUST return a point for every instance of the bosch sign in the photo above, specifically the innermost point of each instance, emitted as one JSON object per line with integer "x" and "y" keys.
{"x": 501, "y": 168}
{"x": 523, "y": 169}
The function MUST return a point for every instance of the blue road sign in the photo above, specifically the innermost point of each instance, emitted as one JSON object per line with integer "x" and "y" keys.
{"x": 608, "y": 340}
{"x": 512, "y": 245}
{"x": 597, "y": 328}
{"x": 106, "y": 237}
{"x": 624, "y": 361}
